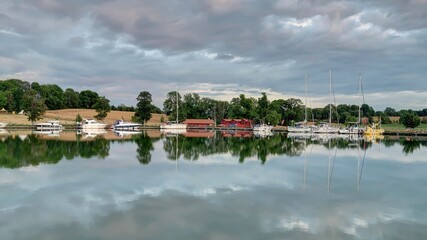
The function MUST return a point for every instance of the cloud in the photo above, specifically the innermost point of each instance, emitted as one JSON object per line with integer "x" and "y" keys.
{"x": 161, "y": 46}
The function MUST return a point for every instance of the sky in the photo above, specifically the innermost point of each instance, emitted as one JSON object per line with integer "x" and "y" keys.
{"x": 221, "y": 48}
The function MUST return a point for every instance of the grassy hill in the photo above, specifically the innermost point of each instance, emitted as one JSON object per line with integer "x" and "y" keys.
{"x": 68, "y": 116}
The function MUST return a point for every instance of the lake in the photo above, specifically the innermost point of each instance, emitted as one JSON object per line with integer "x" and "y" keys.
{"x": 211, "y": 185}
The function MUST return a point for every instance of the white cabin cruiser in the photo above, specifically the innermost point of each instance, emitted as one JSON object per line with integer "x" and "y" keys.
{"x": 92, "y": 124}
{"x": 122, "y": 125}
{"x": 48, "y": 126}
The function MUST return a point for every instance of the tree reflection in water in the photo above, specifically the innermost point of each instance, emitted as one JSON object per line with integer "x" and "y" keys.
{"x": 33, "y": 150}
{"x": 16, "y": 152}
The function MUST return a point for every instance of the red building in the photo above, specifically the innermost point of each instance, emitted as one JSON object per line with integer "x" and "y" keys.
{"x": 199, "y": 123}
{"x": 199, "y": 134}
{"x": 236, "y": 123}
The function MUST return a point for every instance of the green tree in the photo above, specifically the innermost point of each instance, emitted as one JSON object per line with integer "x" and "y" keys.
{"x": 388, "y": 111}
{"x": 88, "y": 98}
{"x": 173, "y": 99}
{"x": 410, "y": 119}
{"x": 276, "y": 105}
{"x": 243, "y": 107}
{"x": 53, "y": 95}
{"x": 272, "y": 117}
{"x": 293, "y": 110}
{"x": 71, "y": 98}
{"x": 191, "y": 106}
{"x": 367, "y": 111}
{"x": 3, "y": 99}
{"x": 33, "y": 105}
{"x": 78, "y": 118}
{"x": 102, "y": 107}
{"x": 143, "y": 107}
{"x": 263, "y": 107}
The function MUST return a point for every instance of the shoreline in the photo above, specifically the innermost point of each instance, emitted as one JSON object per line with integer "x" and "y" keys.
{"x": 282, "y": 129}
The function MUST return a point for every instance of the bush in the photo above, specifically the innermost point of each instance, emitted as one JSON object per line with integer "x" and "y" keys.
{"x": 410, "y": 119}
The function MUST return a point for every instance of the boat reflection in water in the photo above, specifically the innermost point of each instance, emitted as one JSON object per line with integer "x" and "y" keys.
{"x": 172, "y": 131}
{"x": 48, "y": 133}
{"x": 262, "y": 134}
{"x": 123, "y": 133}
{"x": 93, "y": 132}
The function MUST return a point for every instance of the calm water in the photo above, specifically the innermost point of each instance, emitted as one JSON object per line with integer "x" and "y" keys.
{"x": 177, "y": 187}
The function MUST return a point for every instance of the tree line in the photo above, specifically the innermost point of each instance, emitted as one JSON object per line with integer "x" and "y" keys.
{"x": 261, "y": 110}
{"x": 35, "y": 98}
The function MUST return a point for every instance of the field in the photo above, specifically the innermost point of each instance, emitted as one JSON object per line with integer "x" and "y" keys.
{"x": 68, "y": 116}
{"x": 395, "y": 126}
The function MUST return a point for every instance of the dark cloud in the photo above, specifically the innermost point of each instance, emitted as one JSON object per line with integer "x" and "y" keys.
{"x": 266, "y": 44}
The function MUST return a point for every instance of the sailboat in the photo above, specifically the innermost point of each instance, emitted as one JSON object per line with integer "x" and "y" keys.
{"x": 174, "y": 124}
{"x": 374, "y": 131}
{"x": 355, "y": 128}
{"x": 302, "y": 127}
{"x": 325, "y": 127}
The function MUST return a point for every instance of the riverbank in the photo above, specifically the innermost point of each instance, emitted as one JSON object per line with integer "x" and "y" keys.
{"x": 67, "y": 119}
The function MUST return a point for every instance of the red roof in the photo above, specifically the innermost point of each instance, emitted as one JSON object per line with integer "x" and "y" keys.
{"x": 199, "y": 121}
{"x": 237, "y": 120}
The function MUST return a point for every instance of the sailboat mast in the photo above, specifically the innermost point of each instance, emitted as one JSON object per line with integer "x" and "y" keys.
{"x": 177, "y": 119}
{"x": 330, "y": 97}
{"x": 305, "y": 113}
{"x": 360, "y": 97}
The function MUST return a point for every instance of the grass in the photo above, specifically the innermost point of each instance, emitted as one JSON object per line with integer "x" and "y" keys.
{"x": 396, "y": 126}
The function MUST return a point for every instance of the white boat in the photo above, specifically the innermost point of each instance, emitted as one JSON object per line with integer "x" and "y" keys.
{"x": 124, "y": 133}
{"x": 93, "y": 132}
{"x": 327, "y": 127}
{"x": 3, "y": 132}
{"x": 122, "y": 125}
{"x": 93, "y": 124}
{"x": 300, "y": 127}
{"x": 352, "y": 129}
{"x": 174, "y": 124}
{"x": 50, "y": 125}
{"x": 2, "y": 125}
{"x": 173, "y": 130}
{"x": 262, "y": 128}
{"x": 48, "y": 132}
{"x": 262, "y": 134}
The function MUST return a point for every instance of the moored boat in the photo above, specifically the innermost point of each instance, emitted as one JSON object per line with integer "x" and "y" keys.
{"x": 2, "y": 125}
{"x": 49, "y": 125}
{"x": 375, "y": 130}
{"x": 92, "y": 124}
{"x": 353, "y": 129}
{"x": 173, "y": 125}
{"x": 122, "y": 125}
{"x": 262, "y": 128}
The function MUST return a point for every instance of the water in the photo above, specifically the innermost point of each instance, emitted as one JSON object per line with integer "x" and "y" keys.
{"x": 173, "y": 187}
